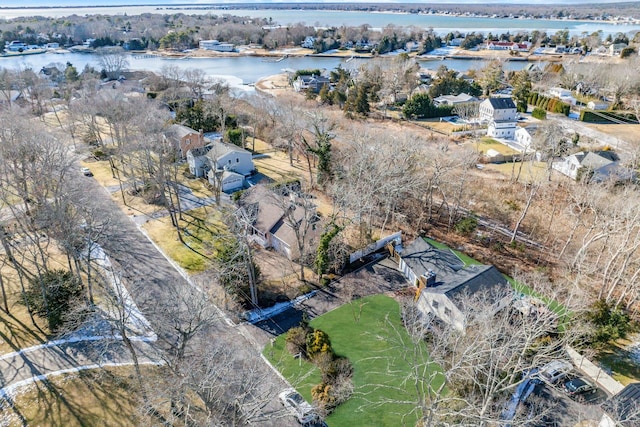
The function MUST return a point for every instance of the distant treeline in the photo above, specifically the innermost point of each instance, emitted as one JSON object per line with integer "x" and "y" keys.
{"x": 577, "y": 11}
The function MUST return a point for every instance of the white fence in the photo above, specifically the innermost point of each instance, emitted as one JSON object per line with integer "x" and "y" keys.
{"x": 395, "y": 237}
{"x": 594, "y": 372}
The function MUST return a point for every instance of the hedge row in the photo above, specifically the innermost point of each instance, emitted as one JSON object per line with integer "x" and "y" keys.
{"x": 606, "y": 117}
{"x": 553, "y": 105}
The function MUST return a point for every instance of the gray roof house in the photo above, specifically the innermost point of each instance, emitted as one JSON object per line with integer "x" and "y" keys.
{"x": 603, "y": 166}
{"x": 185, "y": 138}
{"x": 445, "y": 284}
{"x": 312, "y": 82}
{"x": 225, "y": 165}
{"x": 623, "y": 409}
{"x": 461, "y": 98}
{"x": 271, "y": 226}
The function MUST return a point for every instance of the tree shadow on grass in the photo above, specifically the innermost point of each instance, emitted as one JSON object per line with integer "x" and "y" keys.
{"x": 86, "y": 398}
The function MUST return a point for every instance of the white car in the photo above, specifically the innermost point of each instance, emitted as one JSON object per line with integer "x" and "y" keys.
{"x": 554, "y": 371}
{"x": 86, "y": 172}
{"x": 304, "y": 413}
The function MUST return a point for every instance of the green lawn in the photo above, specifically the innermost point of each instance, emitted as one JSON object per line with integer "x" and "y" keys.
{"x": 466, "y": 259}
{"x": 370, "y": 334}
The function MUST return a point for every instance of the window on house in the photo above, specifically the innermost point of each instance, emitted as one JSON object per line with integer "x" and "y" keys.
{"x": 237, "y": 160}
{"x": 447, "y": 312}
{"x": 434, "y": 304}
{"x": 229, "y": 161}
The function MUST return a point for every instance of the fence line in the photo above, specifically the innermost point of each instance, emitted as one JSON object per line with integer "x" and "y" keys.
{"x": 397, "y": 237}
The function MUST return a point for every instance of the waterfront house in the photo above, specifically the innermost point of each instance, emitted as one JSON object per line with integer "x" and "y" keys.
{"x": 310, "y": 82}
{"x": 215, "y": 45}
{"x": 615, "y": 49}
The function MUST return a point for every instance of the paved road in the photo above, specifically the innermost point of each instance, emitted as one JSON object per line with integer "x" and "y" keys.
{"x": 149, "y": 276}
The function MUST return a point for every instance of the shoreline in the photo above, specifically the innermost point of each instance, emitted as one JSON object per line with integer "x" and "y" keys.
{"x": 161, "y": 8}
{"x": 458, "y": 54}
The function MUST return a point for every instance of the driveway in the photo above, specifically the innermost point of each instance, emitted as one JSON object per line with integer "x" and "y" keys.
{"x": 378, "y": 277}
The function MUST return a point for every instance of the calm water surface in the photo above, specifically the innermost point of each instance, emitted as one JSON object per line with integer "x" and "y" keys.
{"x": 440, "y": 23}
{"x": 237, "y": 70}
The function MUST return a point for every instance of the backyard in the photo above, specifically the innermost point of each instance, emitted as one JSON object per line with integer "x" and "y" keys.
{"x": 370, "y": 334}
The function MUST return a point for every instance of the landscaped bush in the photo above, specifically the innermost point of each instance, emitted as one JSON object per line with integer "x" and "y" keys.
{"x": 318, "y": 342}
{"x": 539, "y": 113}
{"x": 553, "y": 105}
{"x": 627, "y": 51}
{"x": 322, "y": 396}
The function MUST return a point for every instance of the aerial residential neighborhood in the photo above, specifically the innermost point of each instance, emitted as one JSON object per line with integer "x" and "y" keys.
{"x": 321, "y": 215}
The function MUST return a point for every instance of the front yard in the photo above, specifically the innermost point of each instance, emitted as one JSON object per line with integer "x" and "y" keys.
{"x": 370, "y": 334}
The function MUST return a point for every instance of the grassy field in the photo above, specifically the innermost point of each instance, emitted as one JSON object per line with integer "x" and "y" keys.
{"x": 485, "y": 144}
{"x": 630, "y": 133}
{"x": 105, "y": 397}
{"x": 200, "y": 228}
{"x": 370, "y": 334}
{"x": 530, "y": 170}
{"x": 16, "y": 328}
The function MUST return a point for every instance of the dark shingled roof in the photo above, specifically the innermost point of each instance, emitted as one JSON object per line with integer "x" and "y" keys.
{"x": 453, "y": 278}
{"x": 625, "y": 406}
{"x": 502, "y": 103}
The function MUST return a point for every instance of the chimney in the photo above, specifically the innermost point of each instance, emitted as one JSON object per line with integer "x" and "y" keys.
{"x": 431, "y": 278}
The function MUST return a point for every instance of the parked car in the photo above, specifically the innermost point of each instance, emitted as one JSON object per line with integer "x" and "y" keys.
{"x": 579, "y": 386}
{"x": 86, "y": 172}
{"x": 554, "y": 371}
{"x": 304, "y": 413}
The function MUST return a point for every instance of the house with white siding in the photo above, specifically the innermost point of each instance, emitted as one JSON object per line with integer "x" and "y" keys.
{"x": 501, "y": 115}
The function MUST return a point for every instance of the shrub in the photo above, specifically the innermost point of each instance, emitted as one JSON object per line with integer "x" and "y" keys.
{"x": 53, "y": 295}
{"x": 466, "y": 225}
{"x": 539, "y": 113}
{"x": 627, "y": 51}
{"x": 296, "y": 340}
{"x": 318, "y": 342}
{"x": 321, "y": 395}
{"x": 610, "y": 322}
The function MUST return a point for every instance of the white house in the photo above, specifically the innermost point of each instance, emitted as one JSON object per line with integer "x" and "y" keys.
{"x": 308, "y": 42}
{"x": 216, "y": 46}
{"x": 564, "y": 95}
{"x": 603, "y": 165}
{"x": 524, "y": 138}
{"x": 198, "y": 161}
{"x": 616, "y": 49}
{"x": 16, "y": 46}
{"x": 221, "y": 163}
{"x": 444, "y": 282}
{"x": 501, "y": 114}
{"x": 597, "y": 106}
{"x": 454, "y": 99}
